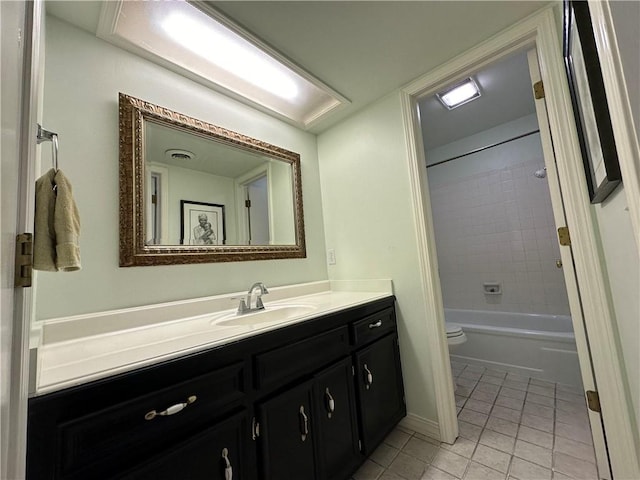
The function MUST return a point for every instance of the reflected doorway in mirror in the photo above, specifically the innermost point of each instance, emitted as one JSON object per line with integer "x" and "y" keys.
{"x": 201, "y": 223}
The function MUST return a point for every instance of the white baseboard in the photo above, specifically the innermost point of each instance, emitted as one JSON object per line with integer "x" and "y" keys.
{"x": 421, "y": 425}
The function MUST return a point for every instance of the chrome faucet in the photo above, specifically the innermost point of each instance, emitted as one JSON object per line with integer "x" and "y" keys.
{"x": 262, "y": 291}
{"x": 245, "y": 305}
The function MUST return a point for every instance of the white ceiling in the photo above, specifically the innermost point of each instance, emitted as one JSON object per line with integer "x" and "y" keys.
{"x": 210, "y": 156}
{"x": 362, "y": 49}
{"x": 506, "y": 94}
{"x": 367, "y": 49}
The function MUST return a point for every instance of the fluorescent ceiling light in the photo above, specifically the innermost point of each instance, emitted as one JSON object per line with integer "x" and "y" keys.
{"x": 459, "y": 94}
{"x": 224, "y": 48}
{"x": 200, "y": 43}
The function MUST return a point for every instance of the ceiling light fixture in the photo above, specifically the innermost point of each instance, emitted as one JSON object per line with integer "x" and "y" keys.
{"x": 220, "y": 46}
{"x": 459, "y": 94}
{"x": 197, "y": 41}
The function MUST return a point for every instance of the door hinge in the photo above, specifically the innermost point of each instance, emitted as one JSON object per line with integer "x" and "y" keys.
{"x": 154, "y": 199}
{"x": 247, "y": 203}
{"x": 24, "y": 260}
{"x": 563, "y": 236}
{"x": 538, "y": 90}
{"x": 593, "y": 401}
{"x": 360, "y": 445}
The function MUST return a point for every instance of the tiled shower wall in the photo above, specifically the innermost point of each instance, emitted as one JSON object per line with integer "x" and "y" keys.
{"x": 496, "y": 225}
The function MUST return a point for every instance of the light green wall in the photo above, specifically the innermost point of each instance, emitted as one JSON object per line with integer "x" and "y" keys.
{"x": 83, "y": 76}
{"x": 364, "y": 171}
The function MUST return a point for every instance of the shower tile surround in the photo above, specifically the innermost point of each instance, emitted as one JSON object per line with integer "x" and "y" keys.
{"x": 498, "y": 226}
{"x": 526, "y": 430}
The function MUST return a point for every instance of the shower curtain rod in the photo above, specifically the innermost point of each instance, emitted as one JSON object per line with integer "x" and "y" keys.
{"x": 483, "y": 148}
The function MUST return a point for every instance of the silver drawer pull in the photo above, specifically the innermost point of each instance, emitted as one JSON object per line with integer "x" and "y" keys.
{"x": 255, "y": 429}
{"x": 330, "y": 404}
{"x": 304, "y": 424}
{"x": 172, "y": 410}
{"x": 376, "y": 325}
{"x": 228, "y": 471}
{"x": 368, "y": 378}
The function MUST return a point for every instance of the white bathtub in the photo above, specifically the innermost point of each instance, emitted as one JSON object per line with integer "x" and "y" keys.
{"x": 540, "y": 346}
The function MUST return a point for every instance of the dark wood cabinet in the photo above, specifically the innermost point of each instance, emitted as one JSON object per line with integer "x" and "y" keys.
{"x": 287, "y": 433}
{"x": 336, "y": 421}
{"x": 380, "y": 390}
{"x": 311, "y": 431}
{"x": 218, "y": 453}
{"x": 293, "y": 403}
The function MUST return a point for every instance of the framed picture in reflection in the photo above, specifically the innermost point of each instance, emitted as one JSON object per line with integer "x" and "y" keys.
{"x": 201, "y": 223}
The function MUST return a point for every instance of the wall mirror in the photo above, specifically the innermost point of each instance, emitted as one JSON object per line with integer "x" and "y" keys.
{"x": 193, "y": 192}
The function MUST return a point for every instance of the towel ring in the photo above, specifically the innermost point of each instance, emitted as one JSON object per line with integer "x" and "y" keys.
{"x": 47, "y": 136}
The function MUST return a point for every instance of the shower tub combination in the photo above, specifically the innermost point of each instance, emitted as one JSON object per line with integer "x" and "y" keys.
{"x": 534, "y": 345}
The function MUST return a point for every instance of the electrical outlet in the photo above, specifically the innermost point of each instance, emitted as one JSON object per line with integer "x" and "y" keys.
{"x": 331, "y": 256}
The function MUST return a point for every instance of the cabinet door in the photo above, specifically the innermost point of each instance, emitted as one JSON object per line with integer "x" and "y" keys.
{"x": 286, "y": 435}
{"x": 380, "y": 390}
{"x": 336, "y": 421}
{"x": 222, "y": 452}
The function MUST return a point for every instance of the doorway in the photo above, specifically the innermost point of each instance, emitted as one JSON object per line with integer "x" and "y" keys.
{"x": 536, "y": 32}
{"x": 257, "y": 205}
{"x": 519, "y": 391}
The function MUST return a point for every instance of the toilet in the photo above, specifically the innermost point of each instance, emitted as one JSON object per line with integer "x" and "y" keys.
{"x": 455, "y": 337}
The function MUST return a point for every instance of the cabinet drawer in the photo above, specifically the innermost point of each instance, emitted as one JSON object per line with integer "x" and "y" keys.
{"x": 373, "y": 327}
{"x": 286, "y": 363}
{"x": 94, "y": 445}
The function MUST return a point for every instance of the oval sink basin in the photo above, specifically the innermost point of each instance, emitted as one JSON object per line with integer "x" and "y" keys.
{"x": 275, "y": 313}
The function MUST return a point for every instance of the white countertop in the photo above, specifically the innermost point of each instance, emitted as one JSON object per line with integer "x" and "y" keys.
{"x": 65, "y": 359}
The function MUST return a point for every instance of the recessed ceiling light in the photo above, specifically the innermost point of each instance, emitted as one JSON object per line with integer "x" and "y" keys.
{"x": 202, "y": 44}
{"x": 459, "y": 94}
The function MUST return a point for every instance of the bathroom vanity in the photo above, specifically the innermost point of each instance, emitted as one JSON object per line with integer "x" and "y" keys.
{"x": 305, "y": 399}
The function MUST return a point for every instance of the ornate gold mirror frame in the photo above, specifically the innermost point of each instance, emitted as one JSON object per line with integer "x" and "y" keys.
{"x": 133, "y": 249}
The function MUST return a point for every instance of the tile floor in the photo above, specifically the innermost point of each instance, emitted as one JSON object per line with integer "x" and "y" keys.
{"x": 511, "y": 427}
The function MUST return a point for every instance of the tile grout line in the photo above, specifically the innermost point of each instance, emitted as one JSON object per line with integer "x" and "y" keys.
{"x": 475, "y": 377}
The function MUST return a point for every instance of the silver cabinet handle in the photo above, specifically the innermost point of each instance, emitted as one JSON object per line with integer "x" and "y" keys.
{"x": 172, "y": 410}
{"x": 255, "y": 428}
{"x": 376, "y": 325}
{"x": 228, "y": 471}
{"x": 368, "y": 378}
{"x": 304, "y": 424}
{"x": 330, "y": 404}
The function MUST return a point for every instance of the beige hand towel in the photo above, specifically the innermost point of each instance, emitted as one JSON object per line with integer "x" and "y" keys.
{"x": 66, "y": 222}
{"x": 44, "y": 235}
{"x": 57, "y": 225}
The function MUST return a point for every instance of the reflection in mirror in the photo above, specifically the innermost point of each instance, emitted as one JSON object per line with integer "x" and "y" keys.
{"x": 193, "y": 192}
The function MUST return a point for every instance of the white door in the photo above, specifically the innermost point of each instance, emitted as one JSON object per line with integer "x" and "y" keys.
{"x": 19, "y": 21}
{"x": 258, "y": 211}
{"x": 573, "y": 293}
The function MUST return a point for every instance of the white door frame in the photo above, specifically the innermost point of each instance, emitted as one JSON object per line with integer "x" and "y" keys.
{"x": 566, "y": 254}
{"x": 30, "y": 25}
{"x": 537, "y": 31}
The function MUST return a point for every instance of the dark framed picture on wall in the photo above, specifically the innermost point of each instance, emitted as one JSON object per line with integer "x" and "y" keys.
{"x": 589, "y": 100}
{"x": 201, "y": 223}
